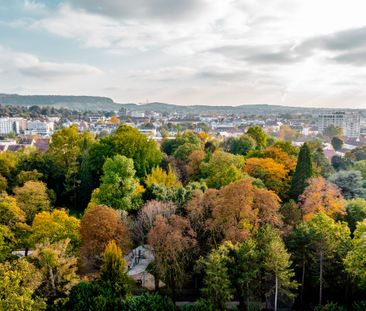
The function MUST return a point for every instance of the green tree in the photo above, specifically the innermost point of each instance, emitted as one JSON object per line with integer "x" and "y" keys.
{"x": 32, "y": 198}
{"x": 222, "y": 169}
{"x": 277, "y": 264}
{"x": 119, "y": 188}
{"x": 217, "y": 286}
{"x": 259, "y": 136}
{"x": 356, "y": 212}
{"x": 355, "y": 260}
{"x": 360, "y": 166}
{"x": 303, "y": 171}
{"x": 241, "y": 145}
{"x": 350, "y": 183}
{"x": 337, "y": 143}
{"x": 330, "y": 243}
{"x": 184, "y": 151}
{"x": 19, "y": 282}
{"x": 322, "y": 164}
{"x": 332, "y": 131}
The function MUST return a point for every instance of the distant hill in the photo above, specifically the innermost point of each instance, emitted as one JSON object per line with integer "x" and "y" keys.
{"x": 96, "y": 103}
{"x": 60, "y": 101}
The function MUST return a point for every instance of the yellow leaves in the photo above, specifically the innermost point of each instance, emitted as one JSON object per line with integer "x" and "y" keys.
{"x": 159, "y": 177}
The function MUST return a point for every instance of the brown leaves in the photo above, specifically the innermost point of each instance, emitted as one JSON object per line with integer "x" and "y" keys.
{"x": 233, "y": 212}
{"x": 100, "y": 225}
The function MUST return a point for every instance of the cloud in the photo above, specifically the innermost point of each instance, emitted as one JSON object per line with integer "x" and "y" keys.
{"x": 150, "y": 9}
{"x": 30, "y": 65}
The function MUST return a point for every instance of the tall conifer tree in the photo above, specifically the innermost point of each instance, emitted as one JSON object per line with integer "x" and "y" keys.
{"x": 303, "y": 171}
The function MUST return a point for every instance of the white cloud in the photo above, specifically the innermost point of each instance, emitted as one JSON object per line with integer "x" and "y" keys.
{"x": 30, "y": 65}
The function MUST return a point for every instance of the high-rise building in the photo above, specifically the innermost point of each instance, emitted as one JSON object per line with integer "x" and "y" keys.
{"x": 349, "y": 122}
{"x": 12, "y": 125}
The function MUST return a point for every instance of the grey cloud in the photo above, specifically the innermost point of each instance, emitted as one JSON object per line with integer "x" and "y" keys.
{"x": 357, "y": 58}
{"x": 151, "y": 9}
{"x": 260, "y": 54}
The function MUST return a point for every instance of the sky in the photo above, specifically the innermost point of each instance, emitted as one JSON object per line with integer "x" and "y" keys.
{"x": 208, "y": 52}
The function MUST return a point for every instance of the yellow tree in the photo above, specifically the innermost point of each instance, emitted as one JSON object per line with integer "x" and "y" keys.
{"x": 322, "y": 196}
{"x": 274, "y": 175}
{"x": 32, "y": 198}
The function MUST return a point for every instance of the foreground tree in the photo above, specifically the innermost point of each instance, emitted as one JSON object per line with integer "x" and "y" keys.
{"x": 303, "y": 171}
{"x": 355, "y": 260}
{"x": 100, "y": 225}
{"x": 259, "y": 136}
{"x": 356, "y": 212}
{"x": 19, "y": 282}
{"x": 58, "y": 268}
{"x": 174, "y": 252}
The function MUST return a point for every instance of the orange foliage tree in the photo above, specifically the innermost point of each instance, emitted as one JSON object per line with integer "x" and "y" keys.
{"x": 100, "y": 225}
{"x": 233, "y": 213}
{"x": 273, "y": 174}
{"x": 322, "y": 196}
{"x": 172, "y": 239}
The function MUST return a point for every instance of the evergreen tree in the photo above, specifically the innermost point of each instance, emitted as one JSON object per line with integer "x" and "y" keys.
{"x": 303, "y": 171}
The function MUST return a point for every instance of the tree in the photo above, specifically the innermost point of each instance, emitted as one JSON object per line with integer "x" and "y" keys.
{"x": 241, "y": 145}
{"x": 287, "y": 133}
{"x": 25, "y": 176}
{"x": 274, "y": 175}
{"x": 100, "y": 225}
{"x": 259, "y": 136}
{"x": 169, "y": 146}
{"x": 341, "y": 163}
{"x": 360, "y": 166}
{"x": 351, "y": 184}
{"x": 10, "y": 213}
{"x": 66, "y": 150}
{"x": 58, "y": 268}
{"x": 217, "y": 286}
{"x": 126, "y": 141}
{"x": 147, "y": 216}
{"x": 322, "y": 164}
{"x": 222, "y": 169}
{"x": 322, "y": 196}
{"x": 329, "y": 241}
{"x": 291, "y": 214}
{"x": 32, "y": 198}
{"x": 356, "y": 212}
{"x": 174, "y": 252}
{"x": 19, "y": 282}
{"x": 332, "y": 131}
{"x": 277, "y": 264}
{"x": 184, "y": 151}
{"x": 303, "y": 171}
{"x": 119, "y": 188}
{"x": 355, "y": 260}
{"x": 194, "y": 162}
{"x": 243, "y": 264}
{"x": 113, "y": 277}
{"x": 337, "y": 143}
{"x": 55, "y": 226}
{"x": 159, "y": 177}
{"x": 233, "y": 213}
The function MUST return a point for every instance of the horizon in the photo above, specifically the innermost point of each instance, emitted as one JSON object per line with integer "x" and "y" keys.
{"x": 196, "y": 52}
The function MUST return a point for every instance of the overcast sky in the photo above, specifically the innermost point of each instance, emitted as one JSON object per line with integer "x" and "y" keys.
{"x": 213, "y": 52}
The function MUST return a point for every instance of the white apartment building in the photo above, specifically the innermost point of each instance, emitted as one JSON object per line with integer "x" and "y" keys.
{"x": 349, "y": 122}
{"x": 38, "y": 127}
{"x": 12, "y": 125}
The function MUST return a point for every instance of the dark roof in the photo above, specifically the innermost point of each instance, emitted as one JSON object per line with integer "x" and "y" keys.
{"x": 15, "y": 147}
{"x": 26, "y": 141}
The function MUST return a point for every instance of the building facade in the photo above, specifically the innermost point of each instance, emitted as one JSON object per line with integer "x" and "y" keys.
{"x": 349, "y": 122}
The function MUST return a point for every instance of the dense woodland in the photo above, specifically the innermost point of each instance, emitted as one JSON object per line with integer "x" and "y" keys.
{"x": 251, "y": 220}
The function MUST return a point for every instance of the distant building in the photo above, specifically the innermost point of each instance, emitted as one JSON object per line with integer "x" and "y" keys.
{"x": 137, "y": 114}
{"x": 349, "y": 122}
{"x": 38, "y": 127}
{"x": 12, "y": 125}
